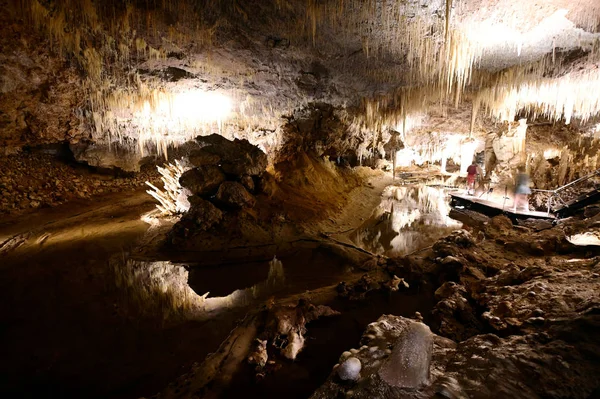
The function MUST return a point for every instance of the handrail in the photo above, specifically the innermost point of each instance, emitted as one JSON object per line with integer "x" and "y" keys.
{"x": 578, "y": 180}
{"x": 555, "y": 192}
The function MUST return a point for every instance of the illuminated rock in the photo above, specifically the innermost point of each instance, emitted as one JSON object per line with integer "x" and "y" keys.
{"x": 349, "y": 370}
{"x": 203, "y": 180}
{"x": 238, "y": 157}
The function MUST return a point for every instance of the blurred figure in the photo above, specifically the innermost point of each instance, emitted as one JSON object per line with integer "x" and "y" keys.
{"x": 472, "y": 171}
{"x": 522, "y": 190}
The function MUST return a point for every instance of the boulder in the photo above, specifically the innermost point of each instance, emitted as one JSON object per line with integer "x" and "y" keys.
{"x": 409, "y": 362}
{"x": 234, "y": 195}
{"x": 536, "y": 224}
{"x": 201, "y": 158}
{"x": 204, "y": 214}
{"x": 238, "y": 157}
{"x": 203, "y": 180}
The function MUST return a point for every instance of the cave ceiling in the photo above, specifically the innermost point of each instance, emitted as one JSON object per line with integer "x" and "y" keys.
{"x": 162, "y": 72}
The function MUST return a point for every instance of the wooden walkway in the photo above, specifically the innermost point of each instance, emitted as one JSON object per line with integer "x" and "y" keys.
{"x": 491, "y": 208}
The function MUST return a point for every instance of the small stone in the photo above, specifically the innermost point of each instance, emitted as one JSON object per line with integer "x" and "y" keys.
{"x": 537, "y": 312}
{"x": 350, "y": 369}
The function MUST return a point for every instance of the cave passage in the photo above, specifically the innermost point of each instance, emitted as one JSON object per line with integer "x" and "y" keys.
{"x": 300, "y": 199}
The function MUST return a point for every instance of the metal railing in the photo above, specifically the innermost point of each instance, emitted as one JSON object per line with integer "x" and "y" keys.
{"x": 555, "y": 197}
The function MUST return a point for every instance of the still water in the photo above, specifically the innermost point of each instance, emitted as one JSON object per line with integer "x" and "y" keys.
{"x": 408, "y": 218}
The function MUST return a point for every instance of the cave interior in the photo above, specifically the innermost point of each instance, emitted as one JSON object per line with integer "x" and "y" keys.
{"x": 300, "y": 198}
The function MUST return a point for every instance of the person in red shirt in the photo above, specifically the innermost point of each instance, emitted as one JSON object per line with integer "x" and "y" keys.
{"x": 472, "y": 171}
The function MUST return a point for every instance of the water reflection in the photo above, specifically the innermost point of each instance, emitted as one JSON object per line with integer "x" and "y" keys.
{"x": 163, "y": 287}
{"x": 408, "y": 218}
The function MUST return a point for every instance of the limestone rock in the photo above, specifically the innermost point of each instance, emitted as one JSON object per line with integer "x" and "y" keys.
{"x": 201, "y": 158}
{"x": 248, "y": 182}
{"x": 350, "y": 369}
{"x": 259, "y": 356}
{"x": 204, "y": 214}
{"x": 203, "y": 180}
{"x": 238, "y": 157}
{"x": 267, "y": 184}
{"x": 294, "y": 346}
{"x": 234, "y": 195}
{"x": 409, "y": 362}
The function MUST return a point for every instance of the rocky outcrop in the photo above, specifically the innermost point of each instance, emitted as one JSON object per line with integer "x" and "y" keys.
{"x": 233, "y": 195}
{"x": 237, "y": 157}
{"x": 39, "y": 93}
{"x": 513, "y": 318}
{"x": 202, "y": 157}
{"x": 203, "y": 213}
{"x": 396, "y": 359}
{"x": 286, "y": 325}
{"x": 221, "y": 180}
{"x": 550, "y": 365}
{"x": 203, "y": 180}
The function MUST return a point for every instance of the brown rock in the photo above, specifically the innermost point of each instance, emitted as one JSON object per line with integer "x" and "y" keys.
{"x": 203, "y": 180}
{"x": 235, "y": 195}
{"x": 410, "y": 360}
{"x": 267, "y": 184}
{"x": 238, "y": 157}
{"x": 204, "y": 214}
{"x": 201, "y": 158}
{"x": 247, "y": 182}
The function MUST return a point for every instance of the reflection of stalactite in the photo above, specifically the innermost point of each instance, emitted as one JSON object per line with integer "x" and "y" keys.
{"x": 276, "y": 275}
{"x": 408, "y": 207}
{"x": 163, "y": 287}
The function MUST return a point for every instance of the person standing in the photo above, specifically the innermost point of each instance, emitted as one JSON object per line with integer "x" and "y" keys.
{"x": 522, "y": 190}
{"x": 472, "y": 172}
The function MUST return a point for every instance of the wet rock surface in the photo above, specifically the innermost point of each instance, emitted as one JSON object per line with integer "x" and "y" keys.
{"x": 516, "y": 317}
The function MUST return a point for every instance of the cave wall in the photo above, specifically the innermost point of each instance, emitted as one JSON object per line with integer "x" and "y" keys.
{"x": 122, "y": 72}
{"x": 40, "y": 93}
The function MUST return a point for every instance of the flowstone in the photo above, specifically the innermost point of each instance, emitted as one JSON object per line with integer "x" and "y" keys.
{"x": 408, "y": 365}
